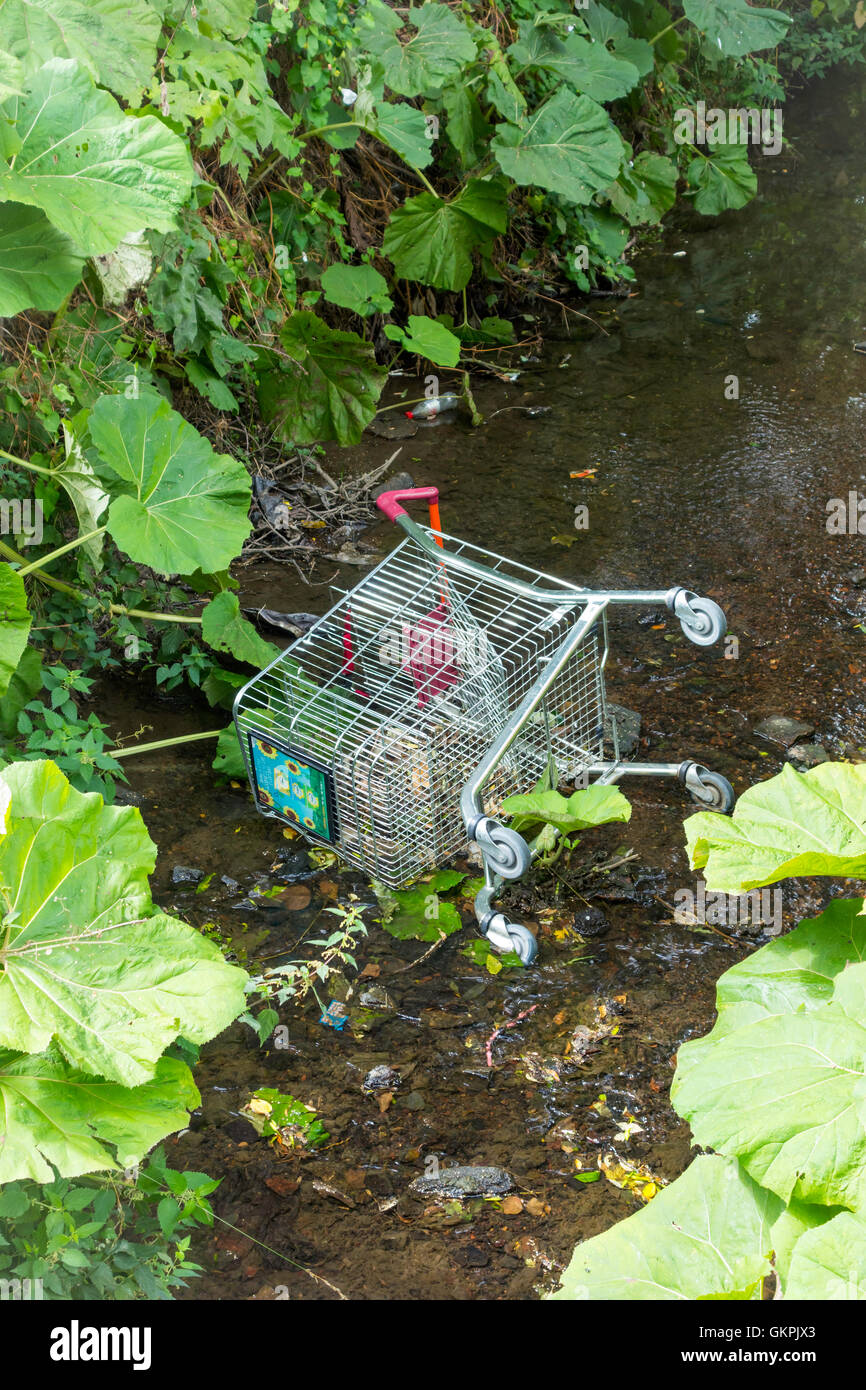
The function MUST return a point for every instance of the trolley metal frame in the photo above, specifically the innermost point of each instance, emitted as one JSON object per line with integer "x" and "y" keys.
{"x": 400, "y": 780}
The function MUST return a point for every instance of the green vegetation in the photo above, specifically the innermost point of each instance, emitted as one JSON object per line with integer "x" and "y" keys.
{"x": 116, "y": 1237}
{"x": 776, "y": 1089}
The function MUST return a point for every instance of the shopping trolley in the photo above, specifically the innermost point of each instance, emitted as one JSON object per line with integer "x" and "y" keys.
{"x": 448, "y": 679}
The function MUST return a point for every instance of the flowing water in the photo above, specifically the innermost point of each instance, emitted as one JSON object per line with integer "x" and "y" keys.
{"x": 720, "y": 486}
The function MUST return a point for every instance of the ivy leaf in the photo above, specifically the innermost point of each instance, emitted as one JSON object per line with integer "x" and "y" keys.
{"x": 178, "y": 506}
{"x": 586, "y": 66}
{"x": 327, "y": 389}
{"x": 735, "y": 27}
{"x": 224, "y": 628}
{"x": 95, "y": 172}
{"x": 569, "y": 146}
{"x": 15, "y": 623}
{"x": 79, "y": 1123}
{"x": 797, "y": 824}
{"x": 725, "y": 179}
{"x": 435, "y": 54}
{"x": 39, "y": 266}
{"x": 357, "y": 287}
{"x": 787, "y": 1096}
{"x": 431, "y": 240}
{"x": 429, "y": 339}
{"x": 705, "y": 1236}
{"x": 88, "y": 965}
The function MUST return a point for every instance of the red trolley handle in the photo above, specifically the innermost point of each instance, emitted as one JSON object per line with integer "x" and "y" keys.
{"x": 389, "y": 503}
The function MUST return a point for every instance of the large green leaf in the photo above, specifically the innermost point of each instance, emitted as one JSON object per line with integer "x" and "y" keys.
{"x": 86, "y": 962}
{"x": 39, "y": 266}
{"x": 432, "y": 56}
{"x": 798, "y": 823}
{"x": 86, "y": 493}
{"x": 404, "y": 129}
{"x": 431, "y": 240}
{"x": 51, "y": 1114}
{"x": 428, "y": 338}
{"x": 705, "y": 1236}
{"x": 11, "y": 75}
{"x": 25, "y": 683}
{"x": 224, "y": 628}
{"x": 736, "y": 27}
{"x": 589, "y": 806}
{"x": 645, "y": 189}
{"x": 586, "y": 66}
{"x": 96, "y": 173}
{"x": 177, "y": 506}
{"x": 569, "y": 146}
{"x": 797, "y": 971}
{"x": 15, "y": 623}
{"x": 722, "y": 180}
{"x": 357, "y": 287}
{"x": 115, "y": 40}
{"x": 325, "y": 387}
{"x": 829, "y": 1262}
{"x": 786, "y": 1095}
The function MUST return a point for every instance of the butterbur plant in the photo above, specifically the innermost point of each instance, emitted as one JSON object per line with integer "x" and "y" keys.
{"x": 95, "y": 985}
{"x": 777, "y": 1090}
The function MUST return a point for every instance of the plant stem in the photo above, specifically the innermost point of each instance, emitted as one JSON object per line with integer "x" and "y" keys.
{"x": 661, "y": 33}
{"x": 25, "y": 463}
{"x": 163, "y": 743}
{"x": 46, "y": 578}
{"x": 154, "y": 617}
{"x": 62, "y": 550}
{"x": 322, "y": 129}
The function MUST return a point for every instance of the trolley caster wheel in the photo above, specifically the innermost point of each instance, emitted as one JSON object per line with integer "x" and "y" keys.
{"x": 701, "y": 620}
{"x": 709, "y": 790}
{"x": 512, "y": 936}
{"x": 504, "y": 851}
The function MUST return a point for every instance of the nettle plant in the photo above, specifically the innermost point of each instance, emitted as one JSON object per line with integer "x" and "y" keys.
{"x": 777, "y": 1089}
{"x": 96, "y": 985}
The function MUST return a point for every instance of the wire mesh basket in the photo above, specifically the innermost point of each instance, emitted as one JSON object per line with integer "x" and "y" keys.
{"x": 446, "y": 680}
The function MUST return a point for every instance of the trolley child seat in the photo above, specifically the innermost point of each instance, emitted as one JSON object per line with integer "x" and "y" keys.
{"x": 443, "y": 682}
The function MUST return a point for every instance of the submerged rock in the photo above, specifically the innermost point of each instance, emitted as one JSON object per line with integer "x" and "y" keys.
{"x": 778, "y": 728}
{"x": 460, "y": 1183}
{"x": 182, "y": 874}
{"x": 628, "y": 724}
{"x": 591, "y": 921}
{"x": 810, "y": 754}
{"x": 382, "y": 1078}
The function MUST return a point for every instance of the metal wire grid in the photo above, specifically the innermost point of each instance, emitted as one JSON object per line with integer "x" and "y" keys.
{"x": 343, "y": 696}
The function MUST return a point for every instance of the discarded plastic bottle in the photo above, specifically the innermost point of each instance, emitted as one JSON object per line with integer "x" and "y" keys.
{"x": 436, "y": 405}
